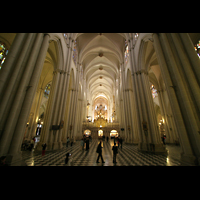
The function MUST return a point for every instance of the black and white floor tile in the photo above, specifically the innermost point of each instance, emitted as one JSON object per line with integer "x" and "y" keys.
{"x": 127, "y": 156}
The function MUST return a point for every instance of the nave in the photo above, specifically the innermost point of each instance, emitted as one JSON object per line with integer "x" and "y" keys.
{"x": 129, "y": 155}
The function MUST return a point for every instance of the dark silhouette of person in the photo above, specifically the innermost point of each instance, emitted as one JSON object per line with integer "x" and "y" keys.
{"x": 99, "y": 151}
{"x": 115, "y": 152}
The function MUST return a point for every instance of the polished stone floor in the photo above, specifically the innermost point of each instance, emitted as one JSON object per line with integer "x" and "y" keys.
{"x": 127, "y": 156}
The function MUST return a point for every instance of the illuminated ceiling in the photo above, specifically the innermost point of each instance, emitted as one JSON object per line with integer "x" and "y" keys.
{"x": 100, "y": 55}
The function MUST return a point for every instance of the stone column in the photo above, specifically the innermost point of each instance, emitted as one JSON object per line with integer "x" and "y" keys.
{"x": 163, "y": 112}
{"x": 134, "y": 135}
{"x": 187, "y": 154}
{"x": 45, "y": 136}
{"x": 184, "y": 98}
{"x": 126, "y": 109}
{"x": 14, "y": 114}
{"x": 11, "y": 81}
{"x": 57, "y": 107}
{"x": 74, "y": 112}
{"x": 11, "y": 58}
{"x": 66, "y": 75}
{"x": 144, "y": 144}
{"x": 15, "y": 146}
{"x": 149, "y": 116}
{"x": 35, "y": 109}
{"x": 190, "y": 74}
{"x": 194, "y": 59}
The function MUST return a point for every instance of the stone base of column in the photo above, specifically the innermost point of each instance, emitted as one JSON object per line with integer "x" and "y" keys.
{"x": 64, "y": 140}
{"x": 60, "y": 145}
{"x": 190, "y": 159}
{"x": 79, "y": 137}
{"x": 143, "y": 146}
{"x": 15, "y": 160}
{"x": 55, "y": 146}
{"x": 159, "y": 148}
{"x": 134, "y": 143}
{"x": 39, "y": 146}
{"x": 153, "y": 148}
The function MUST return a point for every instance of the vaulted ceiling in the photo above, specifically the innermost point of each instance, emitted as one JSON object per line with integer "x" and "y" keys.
{"x": 100, "y": 55}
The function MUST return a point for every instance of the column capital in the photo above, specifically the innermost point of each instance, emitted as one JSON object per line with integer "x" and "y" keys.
{"x": 141, "y": 71}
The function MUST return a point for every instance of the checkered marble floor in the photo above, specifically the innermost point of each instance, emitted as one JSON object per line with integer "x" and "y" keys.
{"x": 127, "y": 156}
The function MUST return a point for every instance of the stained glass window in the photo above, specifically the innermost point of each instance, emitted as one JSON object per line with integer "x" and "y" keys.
{"x": 47, "y": 91}
{"x": 197, "y": 48}
{"x": 74, "y": 53}
{"x": 3, "y": 54}
{"x": 154, "y": 91}
{"x": 65, "y": 35}
{"x": 126, "y": 54}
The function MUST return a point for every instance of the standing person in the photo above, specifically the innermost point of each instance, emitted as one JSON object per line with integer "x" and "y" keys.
{"x": 84, "y": 139}
{"x": 99, "y": 151}
{"x": 67, "y": 141}
{"x": 107, "y": 138}
{"x": 118, "y": 142}
{"x": 43, "y": 149}
{"x": 163, "y": 138}
{"x": 68, "y": 162}
{"x": 115, "y": 152}
{"x": 87, "y": 144}
{"x": 82, "y": 144}
{"x": 67, "y": 159}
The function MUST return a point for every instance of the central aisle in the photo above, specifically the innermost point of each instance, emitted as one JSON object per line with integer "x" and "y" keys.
{"x": 127, "y": 156}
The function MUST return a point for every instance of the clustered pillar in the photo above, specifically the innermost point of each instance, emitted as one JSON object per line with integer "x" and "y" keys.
{"x": 24, "y": 67}
{"x": 182, "y": 85}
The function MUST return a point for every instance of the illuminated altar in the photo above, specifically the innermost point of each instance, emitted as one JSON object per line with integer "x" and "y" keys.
{"x": 101, "y": 116}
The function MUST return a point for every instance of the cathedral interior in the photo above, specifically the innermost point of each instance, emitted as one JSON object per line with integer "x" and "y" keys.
{"x": 140, "y": 87}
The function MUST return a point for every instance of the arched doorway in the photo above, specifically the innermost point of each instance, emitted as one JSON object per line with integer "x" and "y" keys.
{"x": 100, "y": 133}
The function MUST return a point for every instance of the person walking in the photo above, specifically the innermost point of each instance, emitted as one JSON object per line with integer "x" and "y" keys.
{"x": 44, "y": 149}
{"x": 115, "y": 152}
{"x": 87, "y": 144}
{"x": 107, "y": 138}
{"x": 68, "y": 162}
{"x": 164, "y": 139}
{"x": 99, "y": 151}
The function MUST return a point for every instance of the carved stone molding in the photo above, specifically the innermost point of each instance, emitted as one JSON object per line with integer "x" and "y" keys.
{"x": 141, "y": 71}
